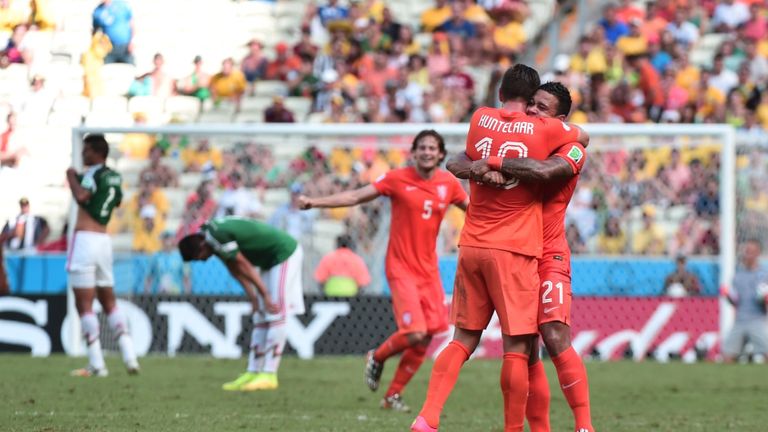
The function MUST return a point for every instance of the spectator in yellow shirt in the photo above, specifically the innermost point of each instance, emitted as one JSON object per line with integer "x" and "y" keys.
{"x": 633, "y": 43}
{"x": 92, "y": 61}
{"x": 41, "y": 15}
{"x": 229, "y": 84}
{"x": 687, "y": 76}
{"x": 650, "y": 239}
{"x": 195, "y": 158}
{"x": 434, "y": 17}
{"x": 137, "y": 145}
{"x": 762, "y": 110}
{"x": 10, "y": 16}
{"x": 509, "y": 35}
{"x": 589, "y": 59}
{"x": 146, "y": 235}
{"x": 612, "y": 240}
{"x": 474, "y": 12}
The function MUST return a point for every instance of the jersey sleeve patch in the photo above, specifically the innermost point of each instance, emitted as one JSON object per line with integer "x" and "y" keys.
{"x": 575, "y": 153}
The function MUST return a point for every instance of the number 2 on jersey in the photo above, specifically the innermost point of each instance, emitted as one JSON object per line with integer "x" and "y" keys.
{"x": 549, "y": 285}
{"x": 105, "y": 206}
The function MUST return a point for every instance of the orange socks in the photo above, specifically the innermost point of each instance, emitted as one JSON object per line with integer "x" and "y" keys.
{"x": 445, "y": 372}
{"x": 573, "y": 382}
{"x": 395, "y": 344}
{"x": 410, "y": 362}
{"x": 537, "y": 409}
{"x": 514, "y": 386}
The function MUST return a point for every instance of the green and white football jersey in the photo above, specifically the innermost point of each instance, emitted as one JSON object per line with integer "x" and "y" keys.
{"x": 106, "y": 190}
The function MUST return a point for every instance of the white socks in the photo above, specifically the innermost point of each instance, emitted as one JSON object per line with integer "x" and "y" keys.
{"x": 276, "y": 337}
{"x": 256, "y": 355}
{"x": 90, "y": 326}
{"x": 118, "y": 325}
{"x": 267, "y": 343}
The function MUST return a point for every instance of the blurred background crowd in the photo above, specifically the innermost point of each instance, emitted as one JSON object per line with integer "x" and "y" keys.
{"x": 329, "y": 61}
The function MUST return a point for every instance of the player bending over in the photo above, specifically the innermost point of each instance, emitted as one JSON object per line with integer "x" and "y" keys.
{"x": 559, "y": 175}
{"x": 497, "y": 268}
{"x": 420, "y": 195}
{"x": 97, "y": 192}
{"x": 247, "y": 246}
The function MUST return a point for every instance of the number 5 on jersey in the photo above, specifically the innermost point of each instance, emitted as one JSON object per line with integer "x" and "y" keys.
{"x": 427, "y": 209}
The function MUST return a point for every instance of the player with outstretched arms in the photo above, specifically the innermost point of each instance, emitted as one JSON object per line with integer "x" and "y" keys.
{"x": 249, "y": 248}
{"x": 498, "y": 266}
{"x": 558, "y": 174}
{"x": 420, "y": 196}
{"x": 97, "y": 191}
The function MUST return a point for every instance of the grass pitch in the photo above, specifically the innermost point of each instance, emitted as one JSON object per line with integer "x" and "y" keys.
{"x": 328, "y": 394}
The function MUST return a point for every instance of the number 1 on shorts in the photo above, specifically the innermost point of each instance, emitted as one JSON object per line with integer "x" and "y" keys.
{"x": 549, "y": 285}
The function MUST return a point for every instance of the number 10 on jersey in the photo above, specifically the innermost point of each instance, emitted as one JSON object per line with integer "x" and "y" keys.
{"x": 484, "y": 147}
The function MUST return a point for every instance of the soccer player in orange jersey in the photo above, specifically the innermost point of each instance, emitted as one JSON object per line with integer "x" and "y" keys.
{"x": 559, "y": 175}
{"x": 420, "y": 196}
{"x": 499, "y": 247}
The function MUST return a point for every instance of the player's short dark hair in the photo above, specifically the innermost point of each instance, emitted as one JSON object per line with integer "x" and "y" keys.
{"x": 434, "y": 134}
{"x": 345, "y": 241}
{"x": 190, "y": 246}
{"x": 98, "y": 144}
{"x": 519, "y": 82}
{"x": 561, "y": 93}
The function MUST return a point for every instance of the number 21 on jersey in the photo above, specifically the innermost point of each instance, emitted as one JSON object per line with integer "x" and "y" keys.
{"x": 548, "y": 285}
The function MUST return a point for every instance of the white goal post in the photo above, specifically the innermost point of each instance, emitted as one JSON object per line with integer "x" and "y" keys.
{"x": 604, "y": 136}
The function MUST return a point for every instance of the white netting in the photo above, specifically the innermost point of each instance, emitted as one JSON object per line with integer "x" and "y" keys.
{"x": 646, "y": 194}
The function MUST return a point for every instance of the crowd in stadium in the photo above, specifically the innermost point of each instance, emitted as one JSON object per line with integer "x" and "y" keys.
{"x": 633, "y": 66}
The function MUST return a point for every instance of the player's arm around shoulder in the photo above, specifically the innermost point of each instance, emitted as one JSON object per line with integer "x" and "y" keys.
{"x": 583, "y": 136}
{"x": 558, "y": 132}
{"x": 460, "y": 165}
{"x": 532, "y": 170}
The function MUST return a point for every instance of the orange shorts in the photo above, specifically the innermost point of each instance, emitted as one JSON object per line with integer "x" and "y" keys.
{"x": 555, "y": 293}
{"x": 492, "y": 279}
{"x": 419, "y": 305}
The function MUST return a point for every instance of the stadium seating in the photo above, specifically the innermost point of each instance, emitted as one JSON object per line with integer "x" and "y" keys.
{"x": 218, "y": 31}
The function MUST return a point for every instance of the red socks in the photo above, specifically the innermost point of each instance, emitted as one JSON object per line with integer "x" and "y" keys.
{"x": 573, "y": 382}
{"x": 514, "y": 386}
{"x": 410, "y": 362}
{"x": 395, "y": 344}
{"x": 445, "y": 372}
{"x": 537, "y": 408}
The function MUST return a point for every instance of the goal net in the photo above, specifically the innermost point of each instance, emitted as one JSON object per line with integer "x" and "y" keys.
{"x": 648, "y": 194}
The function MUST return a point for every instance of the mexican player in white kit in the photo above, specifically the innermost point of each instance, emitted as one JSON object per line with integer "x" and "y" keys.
{"x": 97, "y": 192}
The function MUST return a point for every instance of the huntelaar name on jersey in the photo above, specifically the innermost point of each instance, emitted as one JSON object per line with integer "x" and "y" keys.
{"x": 497, "y": 125}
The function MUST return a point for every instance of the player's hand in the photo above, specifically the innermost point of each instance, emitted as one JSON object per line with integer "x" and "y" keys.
{"x": 479, "y": 169}
{"x": 71, "y": 172}
{"x": 494, "y": 178}
{"x": 305, "y": 203}
{"x": 270, "y": 307}
{"x": 724, "y": 291}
